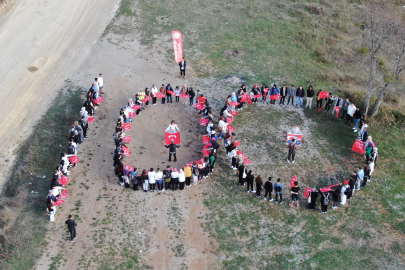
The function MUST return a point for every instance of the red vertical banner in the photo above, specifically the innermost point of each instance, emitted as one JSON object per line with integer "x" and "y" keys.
{"x": 178, "y": 46}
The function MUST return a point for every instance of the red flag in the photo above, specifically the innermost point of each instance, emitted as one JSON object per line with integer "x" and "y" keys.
{"x": 136, "y": 107}
{"x": 297, "y": 137}
{"x": 206, "y": 139}
{"x": 230, "y": 128}
{"x": 126, "y": 139}
{"x": 244, "y": 98}
{"x": 275, "y": 97}
{"x": 248, "y": 162}
{"x": 203, "y": 122}
{"x": 306, "y": 192}
{"x": 293, "y": 180}
{"x": 257, "y": 96}
{"x": 98, "y": 100}
{"x": 234, "y": 113}
{"x": 337, "y": 109}
{"x": 126, "y": 151}
{"x": 326, "y": 189}
{"x": 320, "y": 109}
{"x": 236, "y": 143}
{"x": 64, "y": 180}
{"x": 172, "y": 136}
{"x": 206, "y": 153}
{"x": 64, "y": 194}
{"x": 74, "y": 159}
{"x": 128, "y": 168}
{"x": 241, "y": 154}
{"x": 184, "y": 96}
{"x": 266, "y": 90}
{"x": 335, "y": 185}
{"x": 229, "y": 120}
{"x": 146, "y": 99}
{"x": 177, "y": 46}
{"x": 234, "y": 103}
{"x": 358, "y": 147}
{"x": 323, "y": 94}
{"x": 160, "y": 95}
{"x": 126, "y": 126}
{"x": 91, "y": 119}
{"x": 58, "y": 202}
{"x": 200, "y": 106}
{"x": 249, "y": 101}
{"x": 131, "y": 114}
{"x": 170, "y": 92}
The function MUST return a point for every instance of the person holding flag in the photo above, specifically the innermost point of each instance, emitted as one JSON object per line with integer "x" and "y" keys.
{"x": 274, "y": 91}
{"x": 172, "y": 150}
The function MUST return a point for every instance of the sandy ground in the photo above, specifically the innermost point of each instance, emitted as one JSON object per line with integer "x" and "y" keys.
{"x": 167, "y": 227}
{"x": 42, "y": 44}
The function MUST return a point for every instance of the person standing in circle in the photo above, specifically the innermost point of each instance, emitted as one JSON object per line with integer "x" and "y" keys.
{"x": 278, "y": 190}
{"x": 71, "y": 227}
{"x": 259, "y": 183}
{"x": 295, "y": 195}
{"x": 182, "y": 66}
{"x": 172, "y": 150}
{"x": 153, "y": 92}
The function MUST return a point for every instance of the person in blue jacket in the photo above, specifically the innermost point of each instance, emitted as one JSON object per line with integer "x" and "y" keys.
{"x": 274, "y": 91}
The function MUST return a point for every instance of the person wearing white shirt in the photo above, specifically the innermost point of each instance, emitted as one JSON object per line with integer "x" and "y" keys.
{"x": 152, "y": 181}
{"x": 173, "y": 128}
{"x": 100, "y": 83}
{"x": 182, "y": 179}
{"x": 153, "y": 92}
{"x": 295, "y": 130}
{"x": 350, "y": 112}
{"x": 159, "y": 179}
{"x": 222, "y": 126}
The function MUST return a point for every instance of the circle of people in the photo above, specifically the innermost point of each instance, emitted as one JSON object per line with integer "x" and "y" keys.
{"x": 170, "y": 178}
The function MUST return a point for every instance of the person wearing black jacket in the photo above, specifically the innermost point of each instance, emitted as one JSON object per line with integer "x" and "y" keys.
{"x": 70, "y": 149}
{"x": 241, "y": 172}
{"x": 328, "y": 102}
{"x": 300, "y": 95}
{"x": 314, "y": 196}
{"x": 357, "y": 115}
{"x": 318, "y": 99}
{"x": 310, "y": 94}
{"x": 191, "y": 95}
{"x": 84, "y": 125}
{"x": 182, "y": 66}
{"x": 283, "y": 94}
{"x": 352, "y": 183}
{"x": 364, "y": 136}
{"x": 71, "y": 227}
{"x": 172, "y": 150}
{"x": 249, "y": 179}
{"x": 268, "y": 187}
{"x": 335, "y": 197}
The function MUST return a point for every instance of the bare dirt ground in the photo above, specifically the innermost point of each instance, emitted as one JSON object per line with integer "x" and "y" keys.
{"x": 166, "y": 228}
{"x": 42, "y": 44}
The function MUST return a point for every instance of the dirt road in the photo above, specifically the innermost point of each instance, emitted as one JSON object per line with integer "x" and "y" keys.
{"x": 42, "y": 44}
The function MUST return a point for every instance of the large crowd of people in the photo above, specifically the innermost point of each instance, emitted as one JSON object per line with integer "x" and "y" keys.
{"x": 69, "y": 158}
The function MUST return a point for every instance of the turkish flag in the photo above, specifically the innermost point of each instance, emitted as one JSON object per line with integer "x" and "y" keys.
{"x": 64, "y": 180}
{"x": 275, "y": 97}
{"x": 206, "y": 153}
{"x": 160, "y": 95}
{"x": 170, "y": 92}
{"x": 91, "y": 119}
{"x": 207, "y": 147}
{"x": 74, "y": 159}
{"x": 98, "y": 100}
{"x": 244, "y": 98}
{"x": 326, "y": 189}
{"x": 297, "y": 137}
{"x": 230, "y": 128}
{"x": 336, "y": 186}
{"x": 241, "y": 154}
{"x": 337, "y": 109}
{"x": 323, "y": 94}
{"x": 266, "y": 90}
{"x": 234, "y": 113}
{"x": 131, "y": 114}
{"x": 136, "y": 107}
{"x": 58, "y": 202}
{"x": 128, "y": 168}
{"x": 177, "y": 46}
{"x": 249, "y": 101}
{"x": 146, "y": 99}
{"x": 126, "y": 126}
{"x": 248, "y": 162}
{"x": 206, "y": 139}
{"x": 64, "y": 194}
{"x": 203, "y": 122}
{"x": 200, "y": 106}
{"x": 358, "y": 147}
{"x": 236, "y": 143}
{"x": 126, "y": 139}
{"x": 229, "y": 120}
{"x": 172, "y": 136}
{"x": 257, "y": 96}
{"x": 306, "y": 192}
{"x": 184, "y": 96}
{"x": 234, "y": 103}
{"x": 293, "y": 180}
{"x": 126, "y": 151}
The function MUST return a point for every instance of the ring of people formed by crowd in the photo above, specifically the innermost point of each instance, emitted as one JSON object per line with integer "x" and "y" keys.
{"x": 170, "y": 178}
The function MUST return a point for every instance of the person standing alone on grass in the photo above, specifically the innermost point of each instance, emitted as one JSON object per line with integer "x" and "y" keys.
{"x": 71, "y": 227}
{"x": 291, "y": 151}
{"x": 182, "y": 66}
{"x": 295, "y": 195}
{"x": 278, "y": 190}
{"x": 310, "y": 95}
